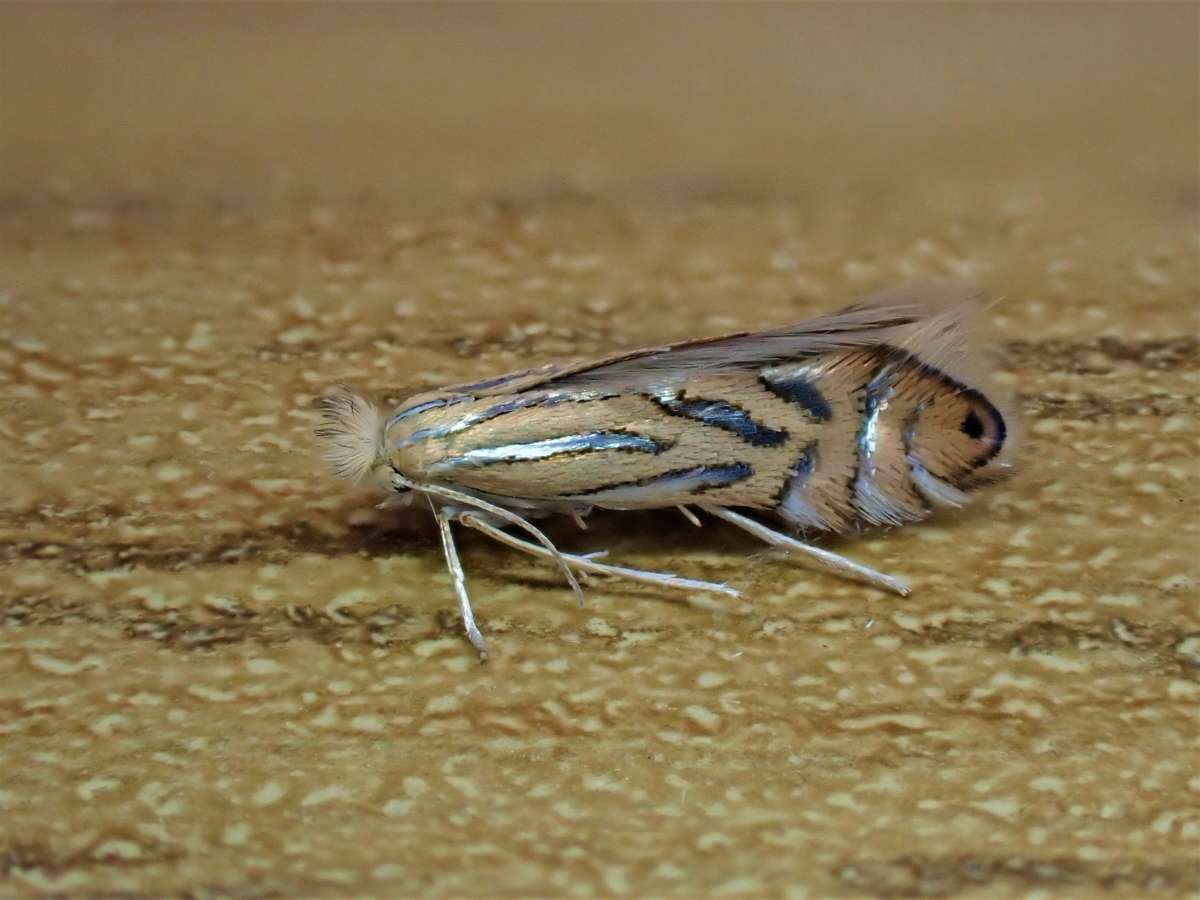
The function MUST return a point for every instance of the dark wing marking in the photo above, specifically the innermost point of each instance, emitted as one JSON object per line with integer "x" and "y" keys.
{"x": 566, "y": 445}
{"x": 799, "y": 388}
{"x": 648, "y": 491}
{"x": 470, "y": 420}
{"x": 721, "y": 414}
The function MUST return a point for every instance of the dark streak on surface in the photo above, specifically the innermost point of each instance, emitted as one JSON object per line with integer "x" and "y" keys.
{"x": 1161, "y": 650}
{"x": 29, "y": 855}
{"x": 1090, "y": 407}
{"x": 928, "y": 876}
{"x": 1098, "y": 357}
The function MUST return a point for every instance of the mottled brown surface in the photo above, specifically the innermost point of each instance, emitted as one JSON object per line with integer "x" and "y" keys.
{"x": 222, "y": 672}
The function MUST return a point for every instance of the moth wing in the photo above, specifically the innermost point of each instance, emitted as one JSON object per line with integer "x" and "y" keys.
{"x": 509, "y": 383}
{"x": 935, "y": 322}
{"x": 563, "y": 372}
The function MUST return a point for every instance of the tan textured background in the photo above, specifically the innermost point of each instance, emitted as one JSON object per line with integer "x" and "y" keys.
{"x": 222, "y": 672}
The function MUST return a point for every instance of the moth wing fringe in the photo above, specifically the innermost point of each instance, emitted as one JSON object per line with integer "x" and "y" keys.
{"x": 949, "y": 336}
{"x": 935, "y": 318}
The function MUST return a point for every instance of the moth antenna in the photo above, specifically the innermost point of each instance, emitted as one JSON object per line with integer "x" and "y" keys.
{"x": 352, "y": 431}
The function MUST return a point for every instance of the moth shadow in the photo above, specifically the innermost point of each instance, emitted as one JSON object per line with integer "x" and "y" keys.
{"x": 374, "y": 532}
{"x": 648, "y": 531}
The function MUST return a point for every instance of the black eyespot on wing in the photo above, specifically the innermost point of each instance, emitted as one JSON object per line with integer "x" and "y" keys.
{"x": 986, "y": 426}
{"x": 972, "y": 426}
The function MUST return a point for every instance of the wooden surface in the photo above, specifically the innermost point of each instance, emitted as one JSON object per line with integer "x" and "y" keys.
{"x": 224, "y": 673}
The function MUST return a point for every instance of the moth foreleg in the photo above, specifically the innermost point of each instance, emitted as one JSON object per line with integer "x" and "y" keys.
{"x": 586, "y": 563}
{"x": 498, "y": 512}
{"x": 826, "y": 559}
{"x": 689, "y": 515}
{"x": 459, "y": 579}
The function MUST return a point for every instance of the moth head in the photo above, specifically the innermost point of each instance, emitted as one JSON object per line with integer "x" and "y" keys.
{"x": 957, "y": 441}
{"x": 352, "y": 432}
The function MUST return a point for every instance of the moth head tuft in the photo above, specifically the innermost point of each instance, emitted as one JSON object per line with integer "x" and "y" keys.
{"x": 352, "y": 432}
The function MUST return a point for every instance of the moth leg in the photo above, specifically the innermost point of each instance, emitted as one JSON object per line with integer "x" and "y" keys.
{"x": 498, "y": 512}
{"x": 459, "y": 578}
{"x": 456, "y": 513}
{"x": 690, "y": 516}
{"x": 578, "y": 520}
{"x": 828, "y": 560}
{"x": 587, "y": 564}
{"x": 595, "y": 554}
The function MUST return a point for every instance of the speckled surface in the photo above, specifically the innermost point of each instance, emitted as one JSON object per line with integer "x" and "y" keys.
{"x": 224, "y": 673}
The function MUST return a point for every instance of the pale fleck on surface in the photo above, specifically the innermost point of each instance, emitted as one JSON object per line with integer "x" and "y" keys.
{"x": 224, "y": 673}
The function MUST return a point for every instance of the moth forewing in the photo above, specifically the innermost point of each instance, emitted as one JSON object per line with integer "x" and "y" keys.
{"x": 870, "y": 416}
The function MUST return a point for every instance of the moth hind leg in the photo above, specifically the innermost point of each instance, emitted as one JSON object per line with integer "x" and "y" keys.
{"x": 585, "y": 563}
{"x": 827, "y": 560}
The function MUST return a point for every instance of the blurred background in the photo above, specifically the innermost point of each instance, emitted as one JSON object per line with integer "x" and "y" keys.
{"x": 244, "y": 104}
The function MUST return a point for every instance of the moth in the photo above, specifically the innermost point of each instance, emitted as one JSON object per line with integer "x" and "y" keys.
{"x": 871, "y": 416}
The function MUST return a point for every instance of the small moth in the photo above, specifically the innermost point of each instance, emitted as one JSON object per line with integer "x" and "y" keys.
{"x": 871, "y": 416}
